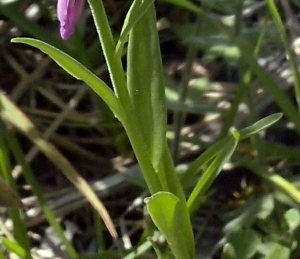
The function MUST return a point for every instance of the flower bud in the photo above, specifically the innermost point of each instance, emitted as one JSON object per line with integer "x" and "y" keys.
{"x": 68, "y": 14}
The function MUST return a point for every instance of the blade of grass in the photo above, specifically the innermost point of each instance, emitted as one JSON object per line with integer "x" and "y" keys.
{"x": 14, "y": 248}
{"x": 19, "y": 228}
{"x": 8, "y": 197}
{"x": 15, "y": 117}
{"x": 37, "y": 192}
{"x": 290, "y": 53}
{"x": 100, "y": 237}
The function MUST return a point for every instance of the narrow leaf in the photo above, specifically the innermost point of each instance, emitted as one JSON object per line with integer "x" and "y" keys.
{"x": 291, "y": 55}
{"x": 136, "y": 11}
{"x": 14, "y": 247}
{"x": 260, "y": 125}
{"x": 220, "y": 145}
{"x": 77, "y": 70}
{"x": 146, "y": 84}
{"x": 209, "y": 175}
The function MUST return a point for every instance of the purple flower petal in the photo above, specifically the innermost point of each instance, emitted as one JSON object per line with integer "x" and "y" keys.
{"x": 68, "y": 14}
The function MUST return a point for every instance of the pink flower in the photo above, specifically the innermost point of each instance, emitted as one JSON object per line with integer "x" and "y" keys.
{"x": 68, "y": 13}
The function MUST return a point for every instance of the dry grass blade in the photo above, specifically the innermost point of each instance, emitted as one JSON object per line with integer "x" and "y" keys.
{"x": 10, "y": 113}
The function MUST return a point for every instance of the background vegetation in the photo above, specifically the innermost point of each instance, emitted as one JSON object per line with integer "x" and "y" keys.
{"x": 226, "y": 64}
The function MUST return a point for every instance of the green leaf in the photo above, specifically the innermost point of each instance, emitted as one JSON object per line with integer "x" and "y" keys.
{"x": 291, "y": 55}
{"x": 212, "y": 171}
{"x": 235, "y": 134}
{"x": 245, "y": 243}
{"x": 202, "y": 160}
{"x": 77, "y": 70}
{"x": 260, "y": 125}
{"x": 292, "y": 218}
{"x": 220, "y": 145}
{"x": 136, "y": 11}
{"x": 228, "y": 252}
{"x": 164, "y": 210}
{"x": 146, "y": 85}
{"x": 279, "y": 251}
{"x": 14, "y": 248}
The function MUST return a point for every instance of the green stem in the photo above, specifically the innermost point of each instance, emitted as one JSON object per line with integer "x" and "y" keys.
{"x": 108, "y": 46}
{"x": 141, "y": 151}
{"x": 117, "y": 74}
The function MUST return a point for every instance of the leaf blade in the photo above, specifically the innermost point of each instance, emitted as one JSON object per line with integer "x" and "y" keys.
{"x": 78, "y": 71}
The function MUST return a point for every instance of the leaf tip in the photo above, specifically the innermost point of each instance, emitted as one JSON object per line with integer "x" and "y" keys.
{"x": 279, "y": 114}
{"x": 16, "y": 40}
